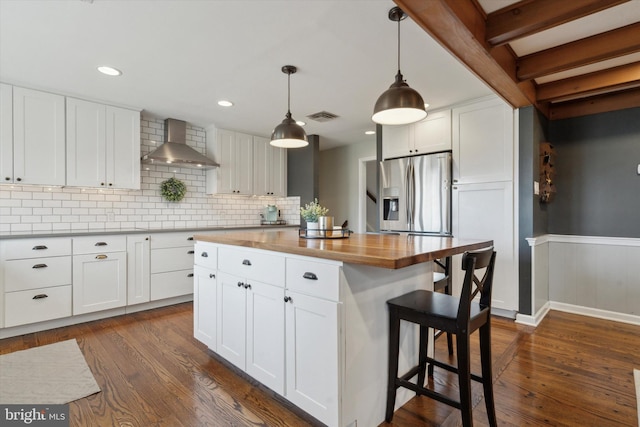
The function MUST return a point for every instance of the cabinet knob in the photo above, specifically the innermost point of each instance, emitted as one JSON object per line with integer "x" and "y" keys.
{"x": 240, "y": 284}
{"x": 247, "y": 286}
{"x": 212, "y": 276}
{"x": 190, "y": 252}
{"x": 288, "y": 299}
{"x": 40, "y": 266}
{"x": 102, "y": 183}
{"x": 190, "y": 275}
{"x": 7, "y": 178}
{"x": 190, "y": 238}
{"x": 40, "y": 296}
{"x": 18, "y": 179}
{"x": 146, "y": 238}
{"x": 110, "y": 184}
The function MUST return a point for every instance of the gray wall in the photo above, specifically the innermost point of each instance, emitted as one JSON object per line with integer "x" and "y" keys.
{"x": 303, "y": 172}
{"x": 532, "y": 214}
{"x": 598, "y": 187}
{"x": 339, "y": 180}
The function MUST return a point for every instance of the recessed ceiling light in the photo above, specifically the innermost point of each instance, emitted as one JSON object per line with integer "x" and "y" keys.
{"x": 109, "y": 71}
{"x": 300, "y": 123}
{"x": 370, "y": 132}
{"x": 225, "y": 103}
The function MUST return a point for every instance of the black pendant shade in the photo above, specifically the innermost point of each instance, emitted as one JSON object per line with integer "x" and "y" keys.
{"x": 399, "y": 104}
{"x": 289, "y": 134}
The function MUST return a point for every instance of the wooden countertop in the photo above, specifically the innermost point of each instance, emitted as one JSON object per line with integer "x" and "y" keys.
{"x": 378, "y": 250}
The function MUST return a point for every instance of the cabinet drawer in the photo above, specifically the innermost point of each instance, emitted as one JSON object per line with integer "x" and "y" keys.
{"x": 206, "y": 255}
{"x": 254, "y": 265}
{"x": 171, "y": 284}
{"x": 171, "y": 240}
{"x": 99, "y": 244}
{"x": 34, "y": 248}
{"x": 171, "y": 259}
{"x": 37, "y": 305}
{"x": 23, "y": 274}
{"x": 313, "y": 278}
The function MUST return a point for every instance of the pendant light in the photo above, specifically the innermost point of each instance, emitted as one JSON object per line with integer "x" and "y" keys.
{"x": 289, "y": 134}
{"x": 398, "y": 105}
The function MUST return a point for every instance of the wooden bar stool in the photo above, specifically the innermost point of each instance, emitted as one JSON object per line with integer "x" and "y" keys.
{"x": 458, "y": 316}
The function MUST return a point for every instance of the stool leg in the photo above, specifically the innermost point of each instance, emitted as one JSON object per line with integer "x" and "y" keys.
{"x": 394, "y": 350}
{"x": 464, "y": 379}
{"x": 422, "y": 358}
{"x": 487, "y": 374}
{"x": 447, "y": 290}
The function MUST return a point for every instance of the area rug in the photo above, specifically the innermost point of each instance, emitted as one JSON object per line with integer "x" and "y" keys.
{"x": 636, "y": 377}
{"x": 49, "y": 374}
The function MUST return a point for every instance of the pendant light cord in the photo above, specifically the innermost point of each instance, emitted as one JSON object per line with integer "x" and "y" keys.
{"x": 399, "y": 45}
{"x": 289, "y": 94}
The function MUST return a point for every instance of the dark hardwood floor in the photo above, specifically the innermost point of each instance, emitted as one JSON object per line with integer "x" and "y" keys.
{"x": 570, "y": 371}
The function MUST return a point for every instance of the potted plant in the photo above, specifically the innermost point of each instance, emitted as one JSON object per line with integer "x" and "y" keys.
{"x": 310, "y": 212}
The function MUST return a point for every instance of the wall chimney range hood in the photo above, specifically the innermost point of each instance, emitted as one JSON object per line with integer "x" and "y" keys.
{"x": 175, "y": 150}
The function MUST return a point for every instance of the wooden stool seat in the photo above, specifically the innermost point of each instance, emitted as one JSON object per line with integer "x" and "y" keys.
{"x": 458, "y": 316}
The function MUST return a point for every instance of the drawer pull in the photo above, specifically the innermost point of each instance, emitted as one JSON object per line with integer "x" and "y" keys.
{"x": 310, "y": 276}
{"x": 204, "y": 255}
{"x": 240, "y": 284}
{"x": 101, "y": 244}
{"x": 40, "y": 266}
{"x": 288, "y": 299}
{"x": 101, "y": 257}
{"x": 189, "y": 238}
{"x": 191, "y": 252}
{"x": 39, "y": 248}
{"x": 212, "y": 276}
{"x": 40, "y": 296}
{"x": 246, "y": 262}
{"x": 190, "y": 275}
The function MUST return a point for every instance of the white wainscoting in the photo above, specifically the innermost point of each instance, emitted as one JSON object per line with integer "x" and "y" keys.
{"x": 592, "y": 276}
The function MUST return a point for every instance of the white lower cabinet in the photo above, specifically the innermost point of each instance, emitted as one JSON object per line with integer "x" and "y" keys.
{"x": 138, "y": 269}
{"x": 250, "y": 330}
{"x": 312, "y": 372}
{"x": 99, "y": 282}
{"x": 171, "y": 265}
{"x": 205, "y": 297}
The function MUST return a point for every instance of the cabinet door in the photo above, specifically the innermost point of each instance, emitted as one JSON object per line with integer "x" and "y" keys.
{"x": 99, "y": 282}
{"x": 312, "y": 369}
{"x": 395, "y": 141}
{"x": 278, "y": 171}
{"x": 231, "y": 328}
{"x": 265, "y": 334}
{"x": 485, "y": 211}
{"x": 38, "y": 137}
{"x": 85, "y": 143}
{"x": 204, "y": 306}
{"x": 261, "y": 167}
{"x": 138, "y": 269}
{"x": 243, "y": 163}
{"x": 225, "y": 156}
{"x": 433, "y": 133}
{"x": 483, "y": 142}
{"x": 123, "y": 148}
{"x": 6, "y": 133}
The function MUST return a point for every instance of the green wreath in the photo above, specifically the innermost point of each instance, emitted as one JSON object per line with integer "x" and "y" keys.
{"x": 173, "y": 190}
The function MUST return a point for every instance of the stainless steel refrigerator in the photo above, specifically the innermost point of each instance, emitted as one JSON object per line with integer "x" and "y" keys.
{"x": 416, "y": 194}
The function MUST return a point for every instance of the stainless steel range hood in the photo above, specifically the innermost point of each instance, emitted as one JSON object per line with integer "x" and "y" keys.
{"x": 175, "y": 150}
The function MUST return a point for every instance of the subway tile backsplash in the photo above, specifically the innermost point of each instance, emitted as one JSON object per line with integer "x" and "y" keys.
{"x": 41, "y": 208}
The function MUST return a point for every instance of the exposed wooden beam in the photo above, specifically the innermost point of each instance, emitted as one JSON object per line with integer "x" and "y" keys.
{"x": 595, "y": 105}
{"x": 608, "y": 45}
{"x": 532, "y": 16}
{"x": 612, "y": 79}
{"x": 466, "y": 42}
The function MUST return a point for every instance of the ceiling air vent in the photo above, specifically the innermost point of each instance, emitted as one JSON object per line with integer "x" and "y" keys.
{"x": 322, "y": 116}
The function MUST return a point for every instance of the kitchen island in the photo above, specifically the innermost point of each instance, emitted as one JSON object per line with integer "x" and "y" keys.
{"x": 308, "y": 317}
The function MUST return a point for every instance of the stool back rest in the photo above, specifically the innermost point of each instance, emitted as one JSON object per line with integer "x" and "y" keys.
{"x": 473, "y": 263}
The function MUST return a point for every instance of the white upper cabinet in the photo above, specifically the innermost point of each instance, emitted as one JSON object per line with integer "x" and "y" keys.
{"x": 430, "y": 135}
{"x": 483, "y": 142}
{"x": 270, "y": 168}
{"x": 6, "y": 133}
{"x": 103, "y": 145}
{"x": 38, "y": 138}
{"x": 234, "y": 152}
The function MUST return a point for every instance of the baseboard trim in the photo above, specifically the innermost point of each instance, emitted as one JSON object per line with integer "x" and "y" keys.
{"x": 525, "y": 319}
{"x": 596, "y": 312}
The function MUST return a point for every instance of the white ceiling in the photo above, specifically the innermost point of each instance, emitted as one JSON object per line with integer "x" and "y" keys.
{"x": 179, "y": 57}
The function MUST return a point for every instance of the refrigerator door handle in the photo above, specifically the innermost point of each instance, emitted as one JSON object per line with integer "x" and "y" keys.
{"x": 407, "y": 174}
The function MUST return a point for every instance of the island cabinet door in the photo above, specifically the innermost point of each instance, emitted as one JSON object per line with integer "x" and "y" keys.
{"x": 205, "y": 289}
{"x": 265, "y": 334}
{"x": 312, "y": 368}
{"x": 232, "y": 325}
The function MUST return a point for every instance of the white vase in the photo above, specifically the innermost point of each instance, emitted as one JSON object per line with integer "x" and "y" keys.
{"x": 312, "y": 228}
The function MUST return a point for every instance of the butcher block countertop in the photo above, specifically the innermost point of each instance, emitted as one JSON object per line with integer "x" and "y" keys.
{"x": 378, "y": 250}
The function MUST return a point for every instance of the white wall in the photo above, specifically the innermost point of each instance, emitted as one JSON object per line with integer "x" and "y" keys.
{"x": 37, "y": 208}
